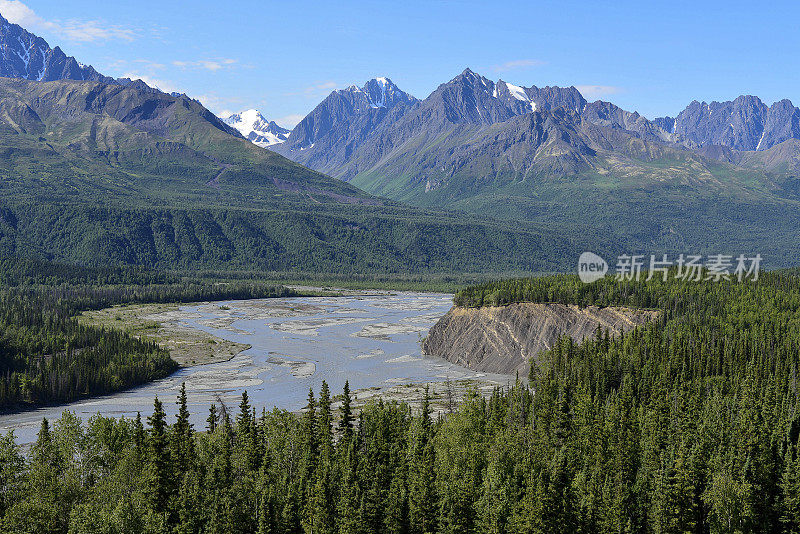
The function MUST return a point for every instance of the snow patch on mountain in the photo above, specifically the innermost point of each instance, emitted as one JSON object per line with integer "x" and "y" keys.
{"x": 518, "y": 93}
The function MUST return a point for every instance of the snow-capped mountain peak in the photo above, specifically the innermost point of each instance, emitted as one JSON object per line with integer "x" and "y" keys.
{"x": 378, "y": 93}
{"x": 252, "y": 124}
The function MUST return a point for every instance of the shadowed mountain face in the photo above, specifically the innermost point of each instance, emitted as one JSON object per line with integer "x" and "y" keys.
{"x": 327, "y": 137}
{"x": 24, "y": 55}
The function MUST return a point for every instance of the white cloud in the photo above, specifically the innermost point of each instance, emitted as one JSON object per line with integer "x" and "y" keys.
{"x": 518, "y": 64}
{"x": 94, "y": 30}
{"x": 18, "y": 13}
{"x": 219, "y": 105}
{"x": 151, "y": 65}
{"x": 209, "y": 64}
{"x": 72, "y": 29}
{"x": 289, "y": 121}
{"x": 316, "y": 90}
{"x": 596, "y": 91}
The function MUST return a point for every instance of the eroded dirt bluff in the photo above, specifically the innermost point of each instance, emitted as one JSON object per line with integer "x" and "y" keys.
{"x": 503, "y": 339}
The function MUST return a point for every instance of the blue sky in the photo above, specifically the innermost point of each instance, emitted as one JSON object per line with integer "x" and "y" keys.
{"x": 284, "y": 57}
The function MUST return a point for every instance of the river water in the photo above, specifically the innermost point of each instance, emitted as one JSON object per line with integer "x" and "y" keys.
{"x": 296, "y": 343}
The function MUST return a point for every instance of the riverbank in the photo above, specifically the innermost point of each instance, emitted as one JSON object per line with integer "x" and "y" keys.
{"x": 163, "y": 324}
{"x": 372, "y": 341}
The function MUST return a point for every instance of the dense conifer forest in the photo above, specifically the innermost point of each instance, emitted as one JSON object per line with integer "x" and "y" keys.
{"x": 46, "y": 356}
{"x": 688, "y": 424}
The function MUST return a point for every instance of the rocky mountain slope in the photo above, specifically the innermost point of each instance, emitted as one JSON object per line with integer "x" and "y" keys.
{"x": 364, "y": 140}
{"x": 339, "y": 138}
{"x": 504, "y": 339}
{"x": 256, "y": 129}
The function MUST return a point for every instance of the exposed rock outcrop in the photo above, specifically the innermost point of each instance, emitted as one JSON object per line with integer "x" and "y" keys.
{"x": 503, "y": 339}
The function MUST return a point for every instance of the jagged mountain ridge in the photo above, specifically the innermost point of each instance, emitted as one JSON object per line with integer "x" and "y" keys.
{"x": 744, "y": 124}
{"x": 335, "y": 137}
{"x": 469, "y": 100}
{"x": 345, "y": 135}
{"x": 27, "y": 56}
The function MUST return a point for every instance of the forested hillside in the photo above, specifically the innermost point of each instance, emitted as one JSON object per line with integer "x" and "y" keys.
{"x": 688, "y": 424}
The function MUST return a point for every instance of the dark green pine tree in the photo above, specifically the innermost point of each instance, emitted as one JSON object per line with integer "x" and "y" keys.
{"x": 325, "y": 423}
{"x": 219, "y": 478}
{"x": 310, "y": 437}
{"x": 346, "y": 419}
{"x": 159, "y": 468}
{"x": 44, "y": 451}
{"x": 191, "y": 514}
{"x": 244, "y": 418}
{"x": 12, "y": 466}
{"x": 348, "y": 507}
{"x": 323, "y": 516}
{"x": 422, "y": 501}
{"x": 396, "y": 518}
{"x": 266, "y": 503}
{"x": 246, "y": 434}
{"x": 183, "y": 451}
{"x": 139, "y": 438}
{"x": 289, "y": 520}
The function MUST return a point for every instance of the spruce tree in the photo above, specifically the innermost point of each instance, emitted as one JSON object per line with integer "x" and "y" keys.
{"x": 182, "y": 437}
{"x": 346, "y": 419}
{"x": 159, "y": 477}
{"x": 325, "y": 423}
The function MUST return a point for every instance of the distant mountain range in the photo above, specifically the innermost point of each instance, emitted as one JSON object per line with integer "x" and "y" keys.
{"x": 473, "y": 137}
{"x": 745, "y": 124}
{"x": 111, "y": 170}
{"x": 347, "y": 120}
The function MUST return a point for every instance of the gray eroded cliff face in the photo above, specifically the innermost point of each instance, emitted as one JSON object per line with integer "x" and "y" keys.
{"x": 504, "y": 339}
